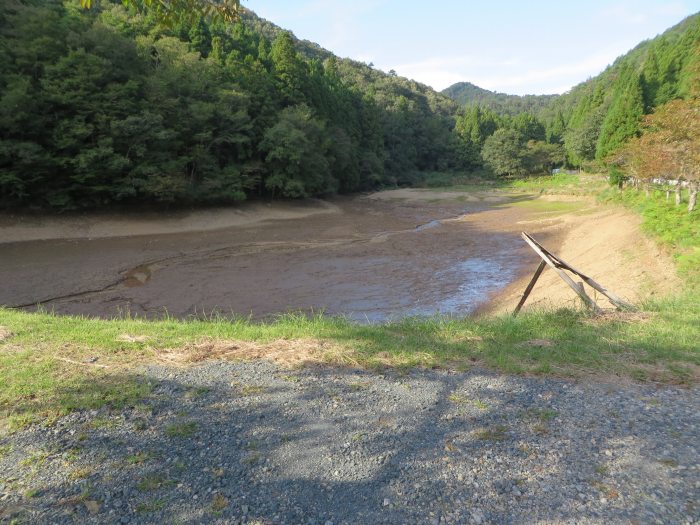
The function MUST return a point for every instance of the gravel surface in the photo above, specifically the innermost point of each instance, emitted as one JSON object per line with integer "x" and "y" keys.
{"x": 254, "y": 443}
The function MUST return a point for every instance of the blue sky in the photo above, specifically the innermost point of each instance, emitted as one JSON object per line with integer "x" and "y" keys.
{"x": 514, "y": 47}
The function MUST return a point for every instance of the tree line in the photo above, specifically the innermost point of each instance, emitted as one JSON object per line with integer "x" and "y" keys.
{"x": 108, "y": 106}
{"x": 599, "y": 115}
{"x": 636, "y": 117}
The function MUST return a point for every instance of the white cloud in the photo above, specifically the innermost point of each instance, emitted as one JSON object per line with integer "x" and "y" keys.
{"x": 364, "y": 58}
{"x": 443, "y": 62}
{"x": 636, "y": 14}
{"x": 589, "y": 66}
{"x": 340, "y": 18}
{"x": 674, "y": 9}
{"x": 510, "y": 75}
{"x": 439, "y": 72}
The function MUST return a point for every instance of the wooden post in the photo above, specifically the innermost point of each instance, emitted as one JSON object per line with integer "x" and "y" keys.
{"x": 568, "y": 280}
{"x": 614, "y": 299}
{"x": 529, "y": 288}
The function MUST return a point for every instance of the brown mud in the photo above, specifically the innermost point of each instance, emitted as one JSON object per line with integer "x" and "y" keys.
{"x": 371, "y": 258}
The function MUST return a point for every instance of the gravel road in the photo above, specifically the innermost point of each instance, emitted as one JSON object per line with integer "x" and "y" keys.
{"x": 250, "y": 443}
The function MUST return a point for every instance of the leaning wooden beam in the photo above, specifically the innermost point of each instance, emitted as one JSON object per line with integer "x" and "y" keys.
{"x": 568, "y": 280}
{"x": 530, "y": 286}
{"x": 614, "y": 299}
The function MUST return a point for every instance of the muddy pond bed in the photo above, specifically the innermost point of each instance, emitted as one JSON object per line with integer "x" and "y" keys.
{"x": 371, "y": 258}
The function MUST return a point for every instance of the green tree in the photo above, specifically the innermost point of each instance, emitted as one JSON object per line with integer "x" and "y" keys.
{"x": 504, "y": 152}
{"x": 528, "y": 126}
{"x": 473, "y": 127}
{"x": 200, "y": 37}
{"x": 542, "y": 157}
{"x": 295, "y": 149}
{"x": 622, "y": 120}
{"x": 580, "y": 142}
{"x": 288, "y": 68}
{"x": 169, "y": 12}
{"x": 556, "y": 129}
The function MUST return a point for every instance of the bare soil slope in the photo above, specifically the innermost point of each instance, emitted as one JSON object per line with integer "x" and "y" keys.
{"x": 602, "y": 242}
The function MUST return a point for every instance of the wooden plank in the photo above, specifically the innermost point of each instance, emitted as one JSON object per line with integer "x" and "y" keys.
{"x": 614, "y": 299}
{"x": 568, "y": 280}
{"x": 530, "y": 286}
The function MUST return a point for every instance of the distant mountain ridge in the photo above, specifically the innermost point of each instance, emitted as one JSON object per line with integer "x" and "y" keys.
{"x": 598, "y": 115}
{"x": 465, "y": 93}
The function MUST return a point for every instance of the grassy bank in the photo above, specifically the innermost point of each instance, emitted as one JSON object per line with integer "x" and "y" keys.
{"x": 53, "y": 364}
{"x": 667, "y": 223}
{"x": 50, "y": 364}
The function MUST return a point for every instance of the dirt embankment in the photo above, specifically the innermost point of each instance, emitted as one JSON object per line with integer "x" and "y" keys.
{"x": 606, "y": 244}
{"x": 21, "y": 228}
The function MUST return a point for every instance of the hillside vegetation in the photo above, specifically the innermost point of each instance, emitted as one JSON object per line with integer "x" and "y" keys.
{"x": 597, "y": 117}
{"x": 107, "y": 106}
{"x": 466, "y": 93}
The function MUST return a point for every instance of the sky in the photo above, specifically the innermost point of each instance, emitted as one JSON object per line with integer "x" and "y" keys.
{"x": 517, "y": 47}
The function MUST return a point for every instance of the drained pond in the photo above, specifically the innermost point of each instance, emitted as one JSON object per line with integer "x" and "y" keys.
{"x": 370, "y": 258}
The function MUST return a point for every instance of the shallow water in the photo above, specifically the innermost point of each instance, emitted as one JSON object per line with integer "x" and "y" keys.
{"x": 369, "y": 262}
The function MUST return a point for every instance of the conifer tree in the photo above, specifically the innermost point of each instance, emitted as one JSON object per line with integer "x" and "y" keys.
{"x": 288, "y": 68}
{"x": 622, "y": 120}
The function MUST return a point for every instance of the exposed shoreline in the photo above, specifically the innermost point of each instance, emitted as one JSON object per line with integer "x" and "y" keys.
{"x": 142, "y": 262}
{"x": 605, "y": 243}
{"x": 24, "y": 227}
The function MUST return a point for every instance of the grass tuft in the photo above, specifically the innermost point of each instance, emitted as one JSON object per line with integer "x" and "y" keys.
{"x": 181, "y": 430}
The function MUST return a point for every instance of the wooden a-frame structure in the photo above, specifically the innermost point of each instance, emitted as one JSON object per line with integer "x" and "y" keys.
{"x": 554, "y": 262}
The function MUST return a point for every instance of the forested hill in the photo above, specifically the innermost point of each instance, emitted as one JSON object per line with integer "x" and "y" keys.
{"x": 599, "y": 115}
{"x": 104, "y": 106}
{"x": 270, "y": 31}
{"x": 465, "y": 93}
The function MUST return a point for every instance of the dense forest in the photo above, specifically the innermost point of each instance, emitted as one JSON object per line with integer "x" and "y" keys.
{"x": 107, "y": 106}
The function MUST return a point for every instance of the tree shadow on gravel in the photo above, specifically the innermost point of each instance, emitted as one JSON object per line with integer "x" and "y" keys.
{"x": 253, "y": 443}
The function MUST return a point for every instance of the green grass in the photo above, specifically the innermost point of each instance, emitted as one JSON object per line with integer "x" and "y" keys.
{"x": 547, "y": 207}
{"x": 484, "y": 180}
{"x": 37, "y": 387}
{"x": 150, "y": 506}
{"x": 153, "y": 481}
{"x": 219, "y": 503}
{"x": 584, "y": 184}
{"x": 464, "y": 181}
{"x": 459, "y": 399}
{"x": 493, "y": 433}
{"x": 181, "y": 429}
{"x": 139, "y": 458}
{"x": 31, "y": 493}
{"x": 547, "y": 182}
